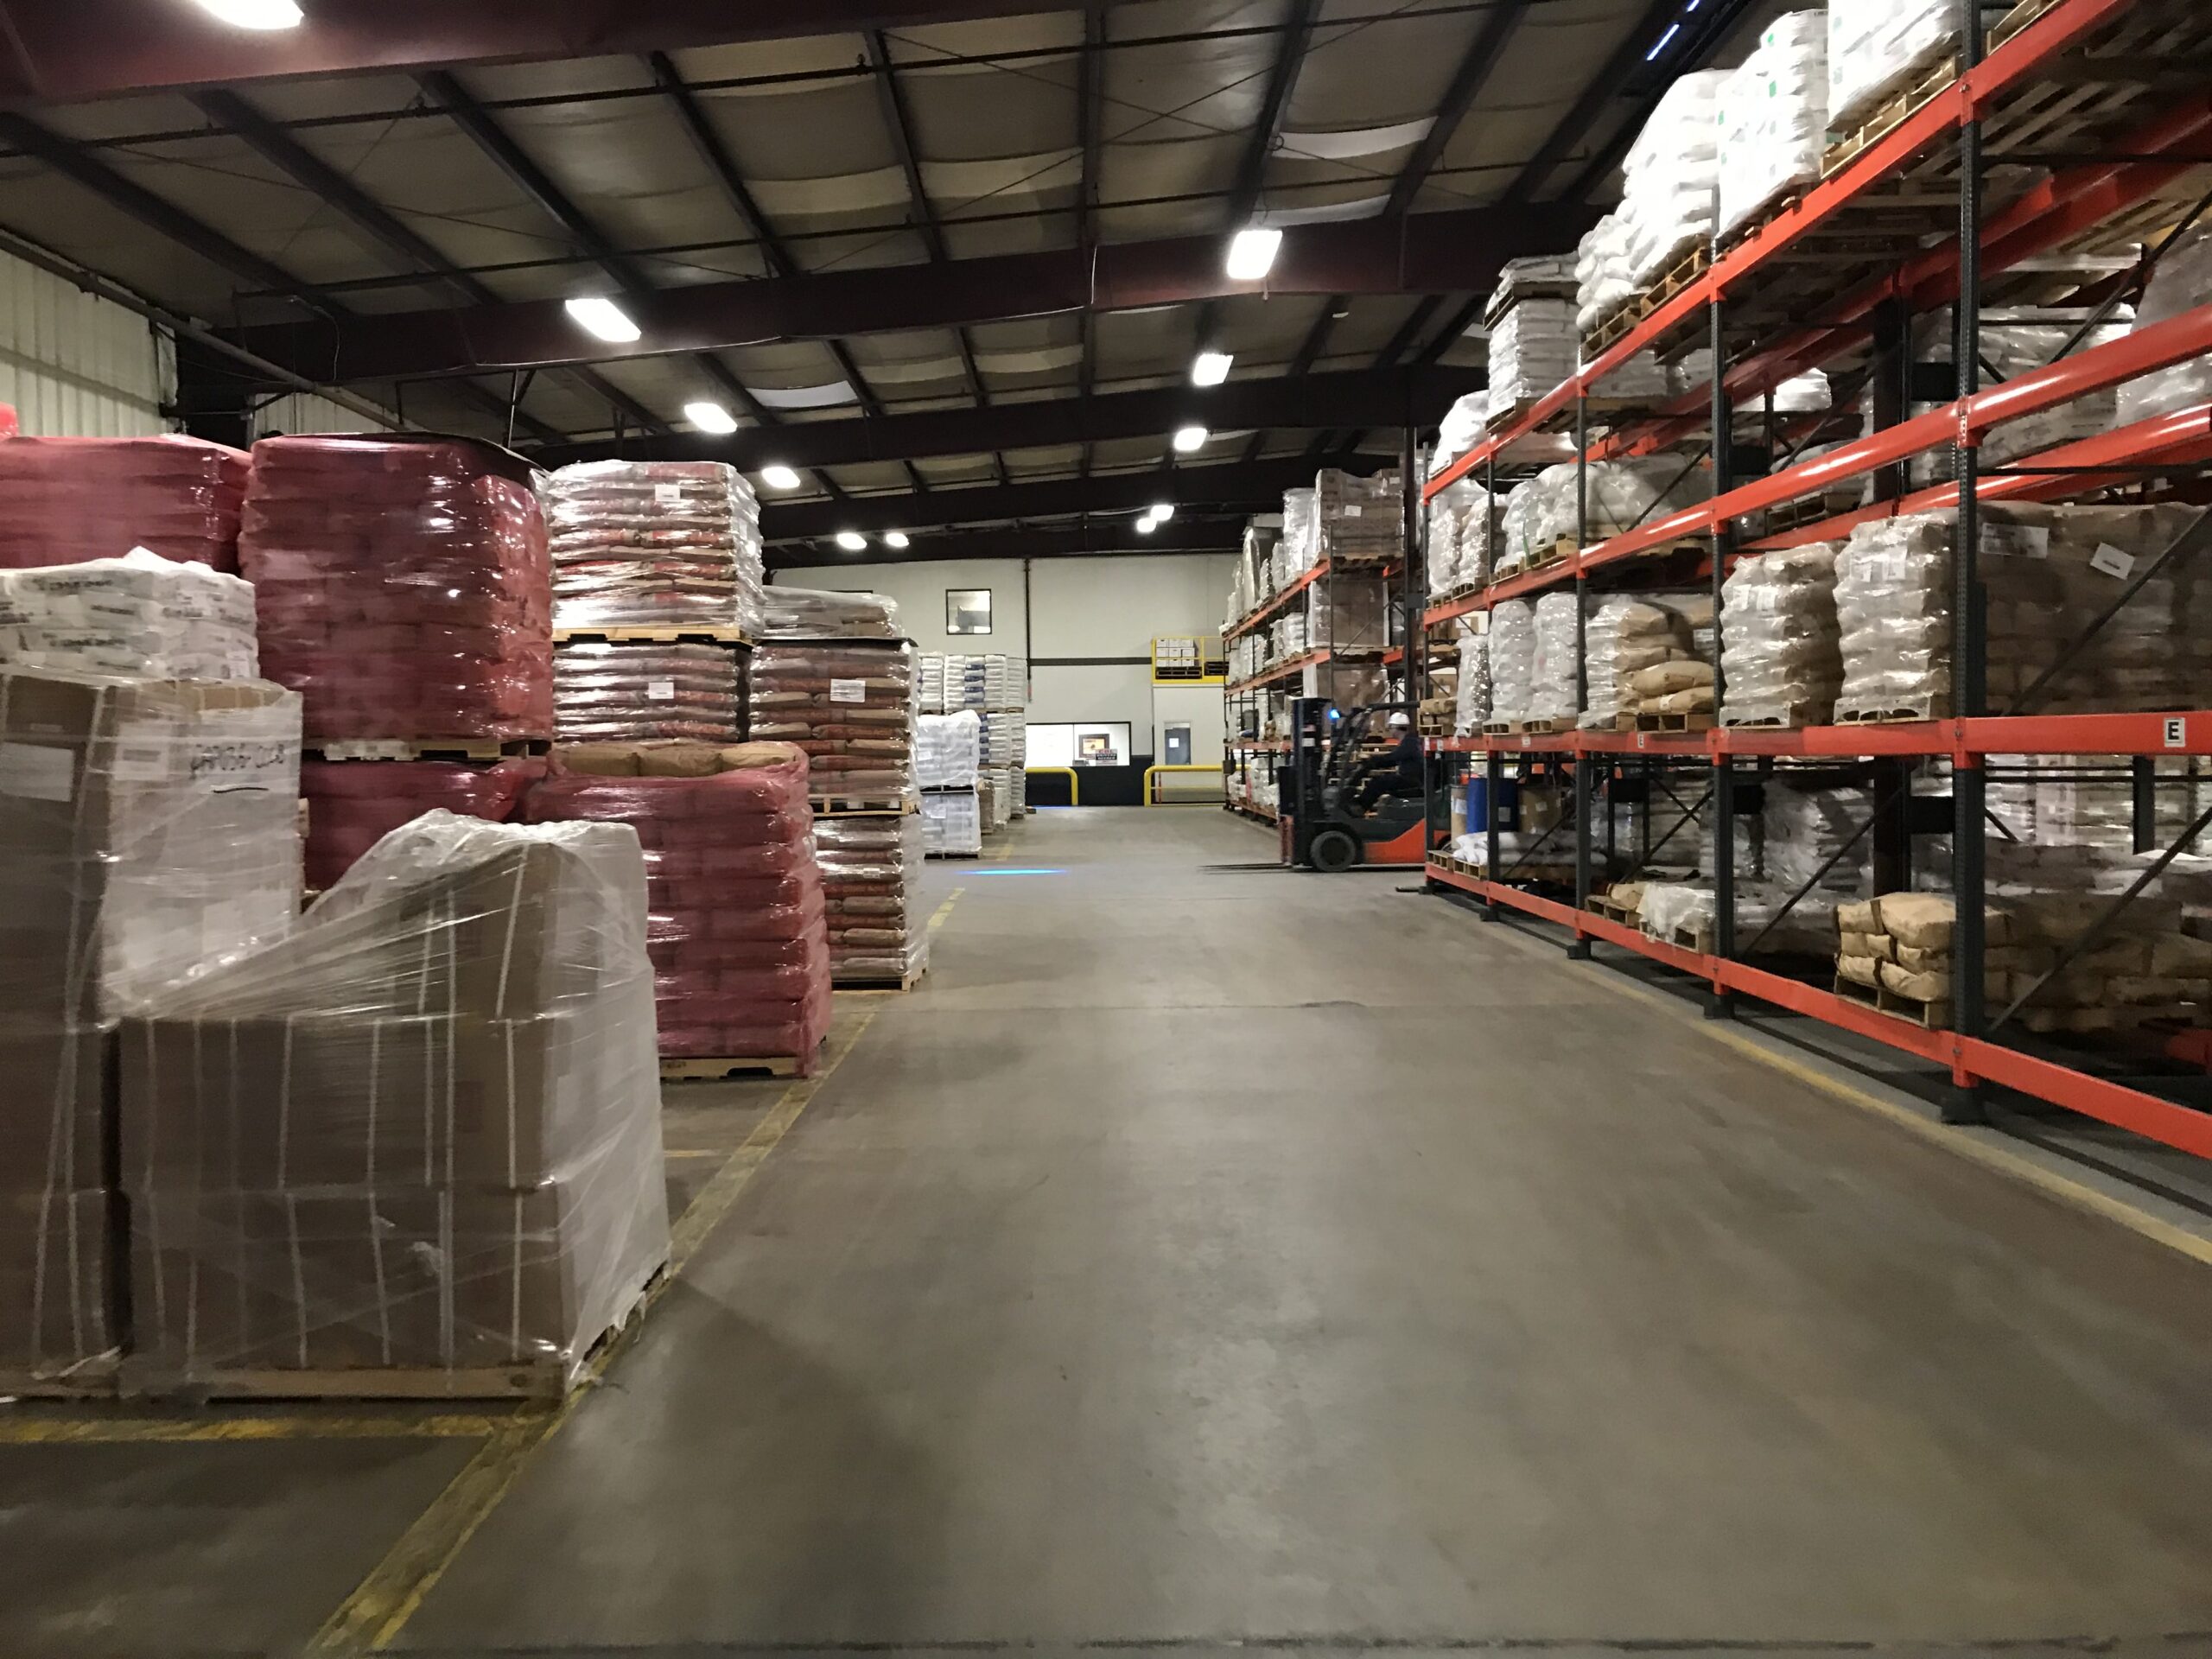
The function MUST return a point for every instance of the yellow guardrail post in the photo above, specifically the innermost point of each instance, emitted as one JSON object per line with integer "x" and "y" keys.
{"x": 1068, "y": 772}
{"x": 1152, "y": 772}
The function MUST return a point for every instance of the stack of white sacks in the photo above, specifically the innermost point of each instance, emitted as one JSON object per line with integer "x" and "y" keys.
{"x": 1458, "y": 538}
{"x": 140, "y": 615}
{"x": 1533, "y": 338}
{"x": 1472, "y": 711}
{"x": 1667, "y": 203}
{"x": 1781, "y": 654}
{"x": 1773, "y": 115}
{"x": 1876, "y": 47}
{"x": 1512, "y": 662}
{"x": 1620, "y": 495}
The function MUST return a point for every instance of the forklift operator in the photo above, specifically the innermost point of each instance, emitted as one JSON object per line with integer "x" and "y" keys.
{"x": 1396, "y": 771}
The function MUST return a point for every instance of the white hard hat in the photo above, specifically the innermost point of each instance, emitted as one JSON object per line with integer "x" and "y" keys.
{"x": 1401, "y": 718}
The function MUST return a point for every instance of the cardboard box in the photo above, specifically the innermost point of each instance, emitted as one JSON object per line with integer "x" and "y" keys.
{"x": 58, "y": 1292}
{"x": 54, "y": 1109}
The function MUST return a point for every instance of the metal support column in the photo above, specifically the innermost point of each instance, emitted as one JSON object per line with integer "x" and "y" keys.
{"x": 1585, "y": 794}
{"x": 2143, "y": 799}
{"x": 1494, "y": 764}
{"x": 1970, "y": 662}
{"x": 1720, "y": 1003}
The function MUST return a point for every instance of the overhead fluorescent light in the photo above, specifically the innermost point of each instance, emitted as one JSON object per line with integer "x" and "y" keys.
{"x": 777, "y": 476}
{"x": 253, "y": 14}
{"x": 711, "y": 418}
{"x": 1673, "y": 30}
{"x": 851, "y": 541}
{"x": 1189, "y": 439}
{"x": 1211, "y": 368}
{"x": 602, "y": 319}
{"x": 1162, "y": 512}
{"x": 1252, "y": 253}
{"x": 1146, "y": 526}
{"x": 896, "y": 538}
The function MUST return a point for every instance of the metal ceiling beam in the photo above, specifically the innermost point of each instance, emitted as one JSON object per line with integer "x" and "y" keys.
{"x": 1092, "y": 538}
{"x": 1231, "y": 488}
{"x": 1428, "y": 253}
{"x": 1296, "y": 399}
{"x": 99, "y": 48}
{"x": 1466, "y": 84}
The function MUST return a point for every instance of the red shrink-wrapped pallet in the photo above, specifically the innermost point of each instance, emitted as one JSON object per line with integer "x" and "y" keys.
{"x": 354, "y": 804}
{"x": 736, "y": 927}
{"x": 403, "y": 587}
{"x": 65, "y": 500}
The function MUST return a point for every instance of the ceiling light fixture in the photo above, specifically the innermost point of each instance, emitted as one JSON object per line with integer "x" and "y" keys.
{"x": 1211, "y": 368}
{"x": 896, "y": 539}
{"x": 1252, "y": 253}
{"x": 602, "y": 319}
{"x": 851, "y": 541}
{"x": 1162, "y": 511}
{"x": 777, "y": 476}
{"x": 1190, "y": 439}
{"x": 253, "y": 14}
{"x": 1146, "y": 526}
{"x": 711, "y": 418}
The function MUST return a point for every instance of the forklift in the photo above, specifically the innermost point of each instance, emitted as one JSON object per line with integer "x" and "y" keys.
{"x": 1323, "y": 827}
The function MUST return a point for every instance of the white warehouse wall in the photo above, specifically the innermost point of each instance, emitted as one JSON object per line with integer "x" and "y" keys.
{"x": 75, "y": 365}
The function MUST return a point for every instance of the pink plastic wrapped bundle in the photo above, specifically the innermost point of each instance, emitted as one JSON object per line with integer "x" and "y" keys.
{"x": 736, "y": 917}
{"x": 65, "y": 500}
{"x": 353, "y": 805}
{"x": 655, "y": 543}
{"x": 849, "y": 705}
{"x": 871, "y": 875}
{"x": 403, "y": 587}
{"x": 636, "y": 692}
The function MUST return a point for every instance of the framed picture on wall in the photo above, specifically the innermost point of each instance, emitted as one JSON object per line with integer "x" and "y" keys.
{"x": 966, "y": 610}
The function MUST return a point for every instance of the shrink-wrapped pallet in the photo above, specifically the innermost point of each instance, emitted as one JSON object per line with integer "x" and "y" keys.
{"x": 1602, "y": 279}
{"x": 1781, "y": 657}
{"x": 2181, "y": 282}
{"x": 952, "y": 824}
{"x": 148, "y": 831}
{"x": 141, "y": 616}
{"x": 636, "y": 692}
{"x": 1670, "y": 171}
{"x": 871, "y": 879}
{"x": 1460, "y": 431}
{"x": 849, "y": 705}
{"x": 816, "y": 614}
{"x": 948, "y": 749}
{"x": 1357, "y": 519}
{"x": 1348, "y": 614}
{"x": 1532, "y": 349}
{"x": 1876, "y": 48}
{"x": 1626, "y": 638}
{"x": 65, "y": 500}
{"x": 654, "y": 543}
{"x": 419, "y": 1133}
{"x": 402, "y": 586}
{"x": 354, "y": 804}
{"x": 1553, "y": 694}
{"x": 1512, "y": 640}
{"x": 1471, "y": 711}
{"x": 738, "y": 946}
{"x": 1773, "y": 115}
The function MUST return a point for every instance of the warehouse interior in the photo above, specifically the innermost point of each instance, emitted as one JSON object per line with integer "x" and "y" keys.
{"x": 972, "y": 826}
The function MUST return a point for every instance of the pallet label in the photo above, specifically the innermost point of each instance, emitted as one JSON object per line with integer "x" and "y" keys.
{"x": 660, "y": 690}
{"x": 848, "y": 690}
{"x": 2113, "y": 562}
{"x": 2177, "y": 734}
{"x": 668, "y": 495}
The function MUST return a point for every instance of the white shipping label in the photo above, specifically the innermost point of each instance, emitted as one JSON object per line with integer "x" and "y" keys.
{"x": 1351, "y": 512}
{"x": 37, "y": 772}
{"x": 2036, "y": 538}
{"x": 660, "y": 690}
{"x": 2113, "y": 562}
{"x": 220, "y": 767}
{"x": 142, "y": 761}
{"x": 668, "y": 495}
{"x": 848, "y": 690}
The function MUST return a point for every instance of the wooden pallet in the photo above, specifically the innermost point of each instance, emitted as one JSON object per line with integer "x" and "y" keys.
{"x": 676, "y": 635}
{"x": 878, "y": 982}
{"x": 423, "y": 748}
{"x": 844, "y": 807}
{"x": 1687, "y": 265}
{"x": 1804, "y": 715}
{"x": 1700, "y": 722}
{"x": 95, "y": 1379}
{"x": 1604, "y": 904}
{"x": 1552, "y": 727}
{"x": 549, "y": 1377}
{"x": 1929, "y": 1016}
{"x": 1698, "y": 941}
{"x": 676, "y": 1069}
{"x": 1893, "y": 716}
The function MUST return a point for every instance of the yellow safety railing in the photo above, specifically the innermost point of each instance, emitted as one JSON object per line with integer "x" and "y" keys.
{"x": 1150, "y": 772}
{"x": 1068, "y": 772}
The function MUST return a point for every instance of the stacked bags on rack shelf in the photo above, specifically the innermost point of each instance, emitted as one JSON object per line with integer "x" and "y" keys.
{"x": 1621, "y": 495}
{"x": 1512, "y": 640}
{"x": 630, "y": 691}
{"x": 65, "y": 500}
{"x": 1357, "y": 519}
{"x": 1533, "y": 341}
{"x": 816, "y": 614}
{"x": 947, "y": 750}
{"x": 140, "y": 615}
{"x": 438, "y": 1112}
{"x": 1773, "y": 117}
{"x": 654, "y": 543}
{"x": 1643, "y": 658}
{"x": 1670, "y": 175}
{"x": 354, "y": 804}
{"x": 871, "y": 876}
{"x": 403, "y": 587}
{"x": 1458, "y": 538}
{"x": 736, "y": 933}
{"x": 952, "y": 824}
{"x": 2181, "y": 282}
{"x": 849, "y": 705}
{"x": 1300, "y": 543}
{"x": 1781, "y": 652}
{"x": 1471, "y": 711}
{"x": 1876, "y": 47}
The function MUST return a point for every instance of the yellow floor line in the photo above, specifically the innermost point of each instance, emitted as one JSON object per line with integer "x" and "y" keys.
{"x": 945, "y": 909}
{"x": 1961, "y": 1142}
{"x": 162, "y": 1431}
{"x": 372, "y": 1616}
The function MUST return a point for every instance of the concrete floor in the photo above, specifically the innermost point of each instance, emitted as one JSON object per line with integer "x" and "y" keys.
{"x": 1209, "y": 1257}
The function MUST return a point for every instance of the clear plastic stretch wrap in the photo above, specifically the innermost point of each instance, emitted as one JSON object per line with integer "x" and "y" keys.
{"x": 1357, "y": 517}
{"x": 1619, "y": 496}
{"x": 928, "y": 682}
{"x": 1773, "y": 115}
{"x": 947, "y": 750}
{"x": 850, "y": 706}
{"x": 147, "y": 828}
{"x": 633, "y": 691}
{"x": 1301, "y": 545}
{"x": 816, "y": 614}
{"x": 2013, "y": 347}
{"x": 1601, "y": 270}
{"x": 1442, "y": 553}
{"x": 141, "y": 616}
{"x": 403, "y": 587}
{"x": 980, "y": 682}
{"x": 871, "y": 876}
{"x": 1782, "y": 656}
{"x": 420, "y": 1131}
{"x": 1801, "y": 827}
{"x": 2047, "y": 571}
{"x": 65, "y": 500}
{"x": 1532, "y": 349}
{"x": 1348, "y": 612}
{"x": 1512, "y": 642}
{"x": 654, "y": 543}
{"x": 1471, "y": 705}
{"x": 354, "y": 804}
{"x": 1460, "y": 517}
{"x": 1552, "y": 693}
{"x": 952, "y": 824}
{"x": 1462, "y": 427}
{"x": 2181, "y": 282}
{"x": 1638, "y": 648}
{"x": 1876, "y": 47}
{"x": 739, "y": 949}
{"x": 1669, "y": 174}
